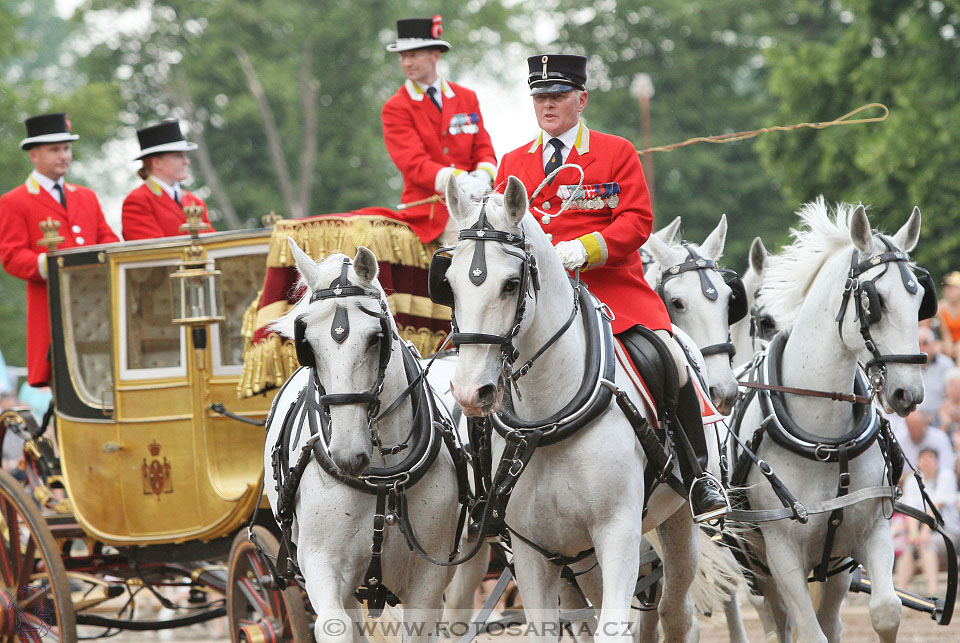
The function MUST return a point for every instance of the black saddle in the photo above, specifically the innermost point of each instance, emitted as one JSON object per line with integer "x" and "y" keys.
{"x": 654, "y": 363}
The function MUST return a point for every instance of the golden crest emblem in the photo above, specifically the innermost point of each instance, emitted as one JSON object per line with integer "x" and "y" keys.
{"x": 156, "y": 475}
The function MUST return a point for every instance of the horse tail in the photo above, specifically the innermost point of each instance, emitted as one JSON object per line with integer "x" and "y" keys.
{"x": 718, "y": 574}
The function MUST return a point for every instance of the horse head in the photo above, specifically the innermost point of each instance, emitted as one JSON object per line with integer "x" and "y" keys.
{"x": 339, "y": 328}
{"x": 494, "y": 274}
{"x": 888, "y": 302}
{"x": 752, "y": 332}
{"x": 699, "y": 302}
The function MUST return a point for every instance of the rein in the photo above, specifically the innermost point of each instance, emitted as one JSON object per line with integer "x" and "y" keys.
{"x": 807, "y": 392}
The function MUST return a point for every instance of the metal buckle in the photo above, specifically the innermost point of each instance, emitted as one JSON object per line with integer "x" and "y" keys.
{"x": 822, "y": 452}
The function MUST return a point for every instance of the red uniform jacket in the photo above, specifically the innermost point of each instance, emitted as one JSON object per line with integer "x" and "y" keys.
{"x": 612, "y": 228}
{"x": 149, "y": 212}
{"x": 422, "y": 140}
{"x": 81, "y": 224}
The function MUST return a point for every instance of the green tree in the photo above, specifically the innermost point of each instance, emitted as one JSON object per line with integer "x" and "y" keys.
{"x": 904, "y": 55}
{"x": 283, "y": 98}
{"x": 36, "y": 76}
{"x": 708, "y": 60}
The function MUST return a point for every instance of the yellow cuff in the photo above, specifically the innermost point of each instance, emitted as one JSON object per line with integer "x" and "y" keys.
{"x": 596, "y": 249}
{"x": 457, "y": 172}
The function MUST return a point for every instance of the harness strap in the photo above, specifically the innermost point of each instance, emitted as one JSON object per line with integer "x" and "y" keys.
{"x": 717, "y": 349}
{"x": 836, "y": 516}
{"x": 373, "y": 588}
{"x": 832, "y": 395}
{"x": 657, "y": 455}
{"x": 769, "y": 515}
{"x": 943, "y": 612}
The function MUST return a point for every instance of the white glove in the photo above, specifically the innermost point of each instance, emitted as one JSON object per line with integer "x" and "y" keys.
{"x": 42, "y": 264}
{"x": 573, "y": 254}
{"x": 472, "y": 187}
{"x": 483, "y": 175}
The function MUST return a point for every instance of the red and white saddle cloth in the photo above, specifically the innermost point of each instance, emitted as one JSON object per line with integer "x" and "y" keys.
{"x": 708, "y": 411}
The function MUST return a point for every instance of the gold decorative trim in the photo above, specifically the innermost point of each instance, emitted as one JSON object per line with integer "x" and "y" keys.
{"x": 270, "y": 362}
{"x": 390, "y": 240}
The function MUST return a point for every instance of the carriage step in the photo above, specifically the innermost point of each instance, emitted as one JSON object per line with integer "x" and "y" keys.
{"x": 930, "y": 605}
{"x": 63, "y": 525}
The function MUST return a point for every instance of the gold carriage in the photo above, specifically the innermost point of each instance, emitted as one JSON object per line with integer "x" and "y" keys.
{"x": 158, "y": 460}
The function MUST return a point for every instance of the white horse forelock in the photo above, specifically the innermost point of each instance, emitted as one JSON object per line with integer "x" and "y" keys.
{"x": 788, "y": 275}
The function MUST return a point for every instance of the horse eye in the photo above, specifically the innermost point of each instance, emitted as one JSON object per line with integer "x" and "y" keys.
{"x": 511, "y": 286}
{"x": 374, "y": 340}
{"x": 677, "y": 304}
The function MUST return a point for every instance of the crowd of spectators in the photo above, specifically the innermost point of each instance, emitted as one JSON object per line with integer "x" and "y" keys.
{"x": 930, "y": 439}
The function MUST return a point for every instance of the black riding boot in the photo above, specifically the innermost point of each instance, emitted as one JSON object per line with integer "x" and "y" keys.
{"x": 707, "y": 501}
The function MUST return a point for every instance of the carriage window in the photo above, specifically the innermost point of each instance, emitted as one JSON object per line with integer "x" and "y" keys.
{"x": 153, "y": 345}
{"x": 241, "y": 278}
{"x": 86, "y": 322}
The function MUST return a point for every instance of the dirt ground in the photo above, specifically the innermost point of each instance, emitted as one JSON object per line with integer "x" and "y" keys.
{"x": 916, "y": 627}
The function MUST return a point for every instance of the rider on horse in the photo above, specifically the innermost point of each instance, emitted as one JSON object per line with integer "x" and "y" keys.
{"x": 610, "y": 218}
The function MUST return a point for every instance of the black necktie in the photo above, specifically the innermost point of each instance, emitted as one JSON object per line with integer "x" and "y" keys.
{"x": 176, "y": 197}
{"x": 557, "y": 159}
{"x": 432, "y": 93}
{"x": 60, "y": 195}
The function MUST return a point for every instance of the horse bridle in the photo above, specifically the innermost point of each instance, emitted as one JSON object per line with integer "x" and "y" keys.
{"x": 339, "y": 288}
{"x": 867, "y": 305}
{"x": 737, "y": 306}
{"x": 440, "y": 292}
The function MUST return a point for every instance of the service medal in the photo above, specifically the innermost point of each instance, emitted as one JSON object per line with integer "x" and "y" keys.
{"x": 613, "y": 201}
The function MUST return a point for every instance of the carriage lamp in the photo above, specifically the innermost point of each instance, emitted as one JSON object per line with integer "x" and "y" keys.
{"x": 195, "y": 285}
{"x": 270, "y": 220}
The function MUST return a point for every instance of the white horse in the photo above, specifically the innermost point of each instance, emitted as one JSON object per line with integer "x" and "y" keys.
{"x": 751, "y": 333}
{"x": 586, "y": 491}
{"x": 333, "y": 526}
{"x": 804, "y": 288}
{"x": 700, "y": 314}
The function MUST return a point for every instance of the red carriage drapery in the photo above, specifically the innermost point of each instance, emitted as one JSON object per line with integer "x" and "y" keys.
{"x": 269, "y": 359}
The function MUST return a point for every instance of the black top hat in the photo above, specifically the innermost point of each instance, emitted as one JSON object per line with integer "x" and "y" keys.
{"x": 556, "y": 73}
{"x": 48, "y": 128}
{"x": 419, "y": 33}
{"x": 165, "y": 137}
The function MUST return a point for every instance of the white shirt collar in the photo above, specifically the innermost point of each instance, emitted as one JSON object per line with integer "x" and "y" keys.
{"x": 169, "y": 189}
{"x": 568, "y": 138}
{"x": 47, "y": 183}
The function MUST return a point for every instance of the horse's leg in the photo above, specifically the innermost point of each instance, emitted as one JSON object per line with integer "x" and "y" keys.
{"x": 538, "y": 582}
{"x": 678, "y": 535}
{"x": 731, "y": 609}
{"x": 790, "y": 576}
{"x": 572, "y": 599}
{"x": 832, "y": 594}
{"x": 329, "y": 599}
{"x": 458, "y": 597}
{"x": 618, "y": 551}
{"x": 422, "y": 603}
{"x": 876, "y": 553}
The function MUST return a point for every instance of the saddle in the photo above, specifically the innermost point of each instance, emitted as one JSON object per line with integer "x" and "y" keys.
{"x": 653, "y": 363}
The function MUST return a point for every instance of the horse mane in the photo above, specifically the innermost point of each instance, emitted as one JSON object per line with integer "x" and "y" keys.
{"x": 789, "y": 274}
{"x": 283, "y": 325}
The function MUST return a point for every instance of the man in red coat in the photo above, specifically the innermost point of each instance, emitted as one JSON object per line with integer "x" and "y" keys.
{"x": 155, "y": 209}
{"x": 433, "y": 128}
{"x": 608, "y": 219}
{"x": 45, "y": 195}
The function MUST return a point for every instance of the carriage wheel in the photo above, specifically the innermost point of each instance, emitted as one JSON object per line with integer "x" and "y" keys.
{"x": 257, "y": 610}
{"x": 35, "y": 592}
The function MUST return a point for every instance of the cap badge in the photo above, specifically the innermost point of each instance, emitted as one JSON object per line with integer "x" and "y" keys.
{"x": 544, "y": 61}
{"x": 437, "y": 27}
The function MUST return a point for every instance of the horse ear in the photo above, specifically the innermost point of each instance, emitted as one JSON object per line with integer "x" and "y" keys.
{"x": 668, "y": 233}
{"x": 713, "y": 245}
{"x": 659, "y": 250}
{"x": 308, "y": 267}
{"x": 515, "y": 200}
{"x": 860, "y": 232}
{"x": 907, "y": 236}
{"x": 365, "y": 265}
{"x": 758, "y": 254}
{"x": 455, "y": 199}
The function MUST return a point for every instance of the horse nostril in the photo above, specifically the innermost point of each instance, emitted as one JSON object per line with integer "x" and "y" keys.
{"x": 487, "y": 394}
{"x": 360, "y": 463}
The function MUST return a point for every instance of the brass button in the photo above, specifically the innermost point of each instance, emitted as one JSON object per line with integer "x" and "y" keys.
{"x": 546, "y": 205}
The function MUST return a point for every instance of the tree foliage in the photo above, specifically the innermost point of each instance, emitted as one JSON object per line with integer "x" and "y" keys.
{"x": 904, "y": 55}
{"x": 282, "y": 97}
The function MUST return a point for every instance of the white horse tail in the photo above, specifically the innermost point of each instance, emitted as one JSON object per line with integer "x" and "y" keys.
{"x": 718, "y": 575}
